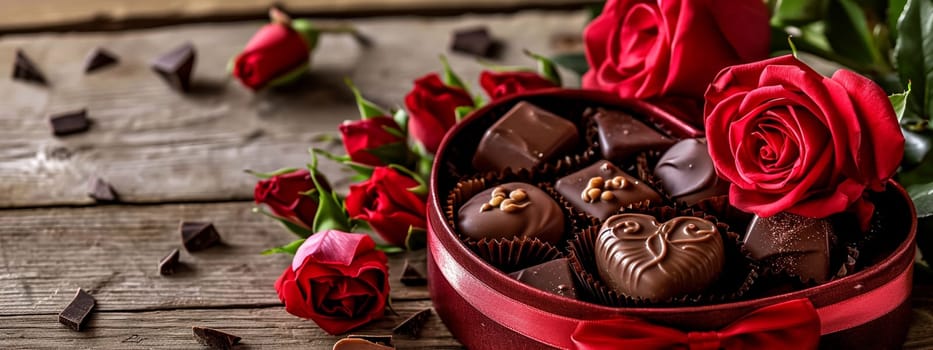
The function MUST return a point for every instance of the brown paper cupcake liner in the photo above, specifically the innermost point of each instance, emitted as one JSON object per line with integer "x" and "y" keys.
{"x": 513, "y": 254}
{"x": 738, "y": 276}
{"x": 579, "y": 218}
{"x": 719, "y": 207}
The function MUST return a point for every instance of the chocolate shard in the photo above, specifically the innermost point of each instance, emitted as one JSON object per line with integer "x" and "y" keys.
{"x": 474, "y": 41}
{"x": 413, "y": 325}
{"x": 168, "y": 264}
{"x": 792, "y": 243}
{"x": 374, "y": 338}
{"x": 554, "y": 277}
{"x": 176, "y": 66}
{"x": 101, "y": 190}
{"x": 365, "y": 342}
{"x": 411, "y": 277}
{"x": 214, "y": 339}
{"x": 198, "y": 235}
{"x": 25, "y": 70}
{"x": 68, "y": 123}
{"x": 76, "y": 313}
{"x": 99, "y": 58}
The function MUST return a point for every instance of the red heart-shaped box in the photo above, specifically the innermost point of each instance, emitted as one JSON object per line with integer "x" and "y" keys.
{"x": 486, "y": 309}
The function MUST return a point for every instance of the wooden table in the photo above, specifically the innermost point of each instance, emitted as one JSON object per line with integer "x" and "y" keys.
{"x": 181, "y": 157}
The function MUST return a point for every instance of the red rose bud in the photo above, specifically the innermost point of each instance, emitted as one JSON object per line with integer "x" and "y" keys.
{"x": 790, "y": 139}
{"x": 375, "y": 141}
{"x": 501, "y": 84}
{"x": 274, "y": 51}
{"x": 645, "y": 49}
{"x": 338, "y": 280}
{"x": 385, "y": 202}
{"x": 283, "y": 195}
{"x": 432, "y": 109}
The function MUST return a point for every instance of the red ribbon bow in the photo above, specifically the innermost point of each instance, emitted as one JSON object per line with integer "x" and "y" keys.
{"x": 789, "y": 325}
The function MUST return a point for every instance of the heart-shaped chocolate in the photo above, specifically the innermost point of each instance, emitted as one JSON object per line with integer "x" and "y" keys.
{"x": 639, "y": 257}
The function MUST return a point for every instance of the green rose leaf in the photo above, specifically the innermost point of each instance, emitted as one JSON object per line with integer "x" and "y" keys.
{"x": 269, "y": 175}
{"x": 849, "y": 34}
{"x": 923, "y": 199}
{"x": 331, "y": 214}
{"x": 299, "y": 230}
{"x": 367, "y": 108}
{"x": 899, "y": 101}
{"x": 290, "y": 248}
{"x": 913, "y": 54}
{"x": 546, "y": 67}
{"x": 575, "y": 62}
{"x": 389, "y": 249}
{"x": 450, "y": 78}
{"x": 462, "y": 112}
{"x": 401, "y": 118}
{"x": 416, "y": 238}
{"x": 895, "y": 8}
{"x": 798, "y": 12}
{"x": 364, "y": 170}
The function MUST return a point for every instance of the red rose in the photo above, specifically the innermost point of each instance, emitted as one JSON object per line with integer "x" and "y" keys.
{"x": 501, "y": 84}
{"x": 385, "y": 202}
{"x": 368, "y": 141}
{"x": 282, "y": 194}
{"x": 644, "y": 49}
{"x": 339, "y": 280}
{"x": 432, "y": 108}
{"x": 790, "y": 139}
{"x": 274, "y": 50}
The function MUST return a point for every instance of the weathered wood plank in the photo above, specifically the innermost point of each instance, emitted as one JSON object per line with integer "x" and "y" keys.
{"x": 113, "y": 252}
{"x": 171, "y": 329}
{"x": 155, "y": 145}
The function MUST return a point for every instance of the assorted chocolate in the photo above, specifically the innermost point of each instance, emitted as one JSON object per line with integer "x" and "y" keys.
{"x": 602, "y": 189}
{"x": 687, "y": 174}
{"x": 413, "y": 325}
{"x": 509, "y": 210}
{"x": 793, "y": 244}
{"x": 554, "y": 277}
{"x": 76, "y": 313}
{"x": 622, "y": 137}
{"x": 365, "y": 342}
{"x": 524, "y": 138}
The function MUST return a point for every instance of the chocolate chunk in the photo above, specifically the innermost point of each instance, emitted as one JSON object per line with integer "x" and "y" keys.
{"x": 413, "y": 325}
{"x": 621, "y": 136}
{"x": 602, "y": 189}
{"x": 76, "y": 313}
{"x": 639, "y": 257}
{"x": 411, "y": 277}
{"x": 525, "y": 137}
{"x": 793, "y": 244}
{"x": 70, "y": 122}
{"x": 101, "y": 191}
{"x": 474, "y": 41}
{"x": 553, "y": 277}
{"x": 25, "y": 70}
{"x": 198, "y": 235}
{"x": 355, "y": 342}
{"x": 168, "y": 264}
{"x": 512, "y": 209}
{"x": 378, "y": 339}
{"x": 687, "y": 173}
{"x": 214, "y": 339}
{"x": 99, "y": 58}
{"x": 176, "y": 66}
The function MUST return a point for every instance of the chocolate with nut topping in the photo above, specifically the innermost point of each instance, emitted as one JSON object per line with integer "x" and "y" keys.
{"x": 687, "y": 172}
{"x": 512, "y": 209}
{"x": 524, "y": 138}
{"x": 621, "y": 136}
{"x": 602, "y": 189}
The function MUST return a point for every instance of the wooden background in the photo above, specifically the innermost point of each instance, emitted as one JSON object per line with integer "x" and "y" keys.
{"x": 178, "y": 157}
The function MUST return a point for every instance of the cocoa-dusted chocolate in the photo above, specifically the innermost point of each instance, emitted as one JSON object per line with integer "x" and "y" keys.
{"x": 602, "y": 188}
{"x": 687, "y": 173}
{"x": 554, "y": 277}
{"x": 509, "y": 210}
{"x": 621, "y": 136}
{"x": 639, "y": 257}
{"x": 793, "y": 244}
{"x": 525, "y": 137}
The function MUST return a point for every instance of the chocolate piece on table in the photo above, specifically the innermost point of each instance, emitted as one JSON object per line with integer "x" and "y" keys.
{"x": 554, "y": 277}
{"x": 101, "y": 191}
{"x": 602, "y": 189}
{"x": 198, "y": 235}
{"x": 687, "y": 173}
{"x": 509, "y": 210}
{"x": 99, "y": 58}
{"x": 25, "y": 70}
{"x": 525, "y": 137}
{"x": 475, "y": 41}
{"x": 793, "y": 244}
{"x": 214, "y": 339}
{"x": 351, "y": 343}
{"x": 176, "y": 66}
{"x": 412, "y": 325}
{"x": 638, "y": 257}
{"x": 621, "y": 136}
{"x": 168, "y": 264}
{"x": 76, "y": 313}
{"x": 411, "y": 277}
{"x": 68, "y": 123}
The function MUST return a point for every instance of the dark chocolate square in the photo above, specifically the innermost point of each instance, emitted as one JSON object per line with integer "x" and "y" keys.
{"x": 169, "y": 263}
{"x": 413, "y": 325}
{"x": 198, "y": 235}
{"x": 553, "y": 277}
{"x": 75, "y": 314}
{"x": 25, "y": 70}
{"x": 475, "y": 41}
{"x": 176, "y": 66}
{"x": 621, "y": 136}
{"x": 69, "y": 123}
{"x": 214, "y": 339}
{"x": 101, "y": 191}
{"x": 524, "y": 138}
{"x": 99, "y": 58}
{"x": 576, "y": 186}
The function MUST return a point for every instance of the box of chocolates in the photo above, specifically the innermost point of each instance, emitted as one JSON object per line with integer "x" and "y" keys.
{"x": 572, "y": 219}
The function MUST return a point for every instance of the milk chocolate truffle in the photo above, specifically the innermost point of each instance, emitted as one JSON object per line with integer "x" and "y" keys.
{"x": 509, "y": 210}
{"x": 524, "y": 138}
{"x": 553, "y": 277}
{"x": 621, "y": 136}
{"x": 640, "y": 258}
{"x": 687, "y": 172}
{"x": 792, "y": 243}
{"x": 601, "y": 189}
